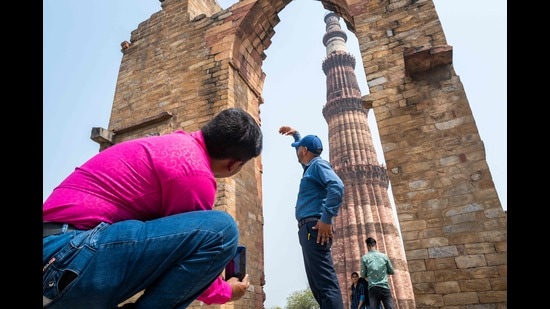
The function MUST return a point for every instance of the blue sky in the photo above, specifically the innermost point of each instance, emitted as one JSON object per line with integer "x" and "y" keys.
{"x": 81, "y": 58}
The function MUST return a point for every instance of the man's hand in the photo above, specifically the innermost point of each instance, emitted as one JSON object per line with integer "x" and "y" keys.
{"x": 286, "y": 130}
{"x": 238, "y": 287}
{"x": 324, "y": 232}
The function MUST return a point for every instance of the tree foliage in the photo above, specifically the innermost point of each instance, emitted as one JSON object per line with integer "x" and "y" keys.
{"x": 301, "y": 300}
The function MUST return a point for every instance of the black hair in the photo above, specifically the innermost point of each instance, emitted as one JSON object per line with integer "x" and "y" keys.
{"x": 371, "y": 242}
{"x": 233, "y": 134}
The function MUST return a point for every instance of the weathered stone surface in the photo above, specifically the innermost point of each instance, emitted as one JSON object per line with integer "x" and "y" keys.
{"x": 192, "y": 59}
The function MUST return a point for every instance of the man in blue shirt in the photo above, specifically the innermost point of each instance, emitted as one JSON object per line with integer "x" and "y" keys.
{"x": 319, "y": 199}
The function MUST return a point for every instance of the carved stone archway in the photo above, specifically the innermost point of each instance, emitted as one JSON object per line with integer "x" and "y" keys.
{"x": 192, "y": 58}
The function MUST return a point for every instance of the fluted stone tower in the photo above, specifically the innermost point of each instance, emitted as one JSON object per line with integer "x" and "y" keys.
{"x": 366, "y": 210}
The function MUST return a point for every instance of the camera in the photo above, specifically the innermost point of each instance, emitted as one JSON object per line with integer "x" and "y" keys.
{"x": 237, "y": 266}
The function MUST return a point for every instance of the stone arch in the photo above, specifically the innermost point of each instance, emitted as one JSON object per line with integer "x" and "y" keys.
{"x": 193, "y": 58}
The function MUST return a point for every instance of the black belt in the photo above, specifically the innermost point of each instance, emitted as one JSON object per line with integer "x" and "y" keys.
{"x": 51, "y": 228}
{"x": 306, "y": 220}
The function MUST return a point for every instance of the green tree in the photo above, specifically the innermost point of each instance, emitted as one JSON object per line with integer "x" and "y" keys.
{"x": 301, "y": 300}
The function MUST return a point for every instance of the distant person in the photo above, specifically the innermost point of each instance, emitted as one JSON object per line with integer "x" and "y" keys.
{"x": 138, "y": 216}
{"x": 375, "y": 267}
{"x": 319, "y": 199}
{"x": 357, "y": 292}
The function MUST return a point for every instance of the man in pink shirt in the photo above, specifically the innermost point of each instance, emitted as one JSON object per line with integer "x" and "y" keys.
{"x": 138, "y": 216}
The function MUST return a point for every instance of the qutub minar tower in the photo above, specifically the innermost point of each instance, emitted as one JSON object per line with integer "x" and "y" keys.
{"x": 366, "y": 209}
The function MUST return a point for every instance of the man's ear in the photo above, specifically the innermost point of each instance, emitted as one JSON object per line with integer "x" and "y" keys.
{"x": 234, "y": 165}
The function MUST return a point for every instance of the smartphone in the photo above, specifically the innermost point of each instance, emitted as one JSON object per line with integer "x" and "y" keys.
{"x": 237, "y": 266}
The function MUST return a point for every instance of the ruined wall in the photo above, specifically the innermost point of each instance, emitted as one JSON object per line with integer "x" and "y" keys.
{"x": 453, "y": 226}
{"x": 176, "y": 72}
{"x": 182, "y": 66}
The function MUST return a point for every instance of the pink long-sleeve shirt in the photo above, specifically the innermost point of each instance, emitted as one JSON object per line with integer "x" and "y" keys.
{"x": 141, "y": 179}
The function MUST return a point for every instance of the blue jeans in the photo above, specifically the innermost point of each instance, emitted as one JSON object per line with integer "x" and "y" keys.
{"x": 319, "y": 267}
{"x": 174, "y": 258}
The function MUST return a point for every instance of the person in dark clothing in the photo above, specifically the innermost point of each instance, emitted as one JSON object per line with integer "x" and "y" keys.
{"x": 365, "y": 284}
{"x": 357, "y": 292}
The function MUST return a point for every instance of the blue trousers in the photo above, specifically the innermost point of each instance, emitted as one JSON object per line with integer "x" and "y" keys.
{"x": 319, "y": 267}
{"x": 174, "y": 258}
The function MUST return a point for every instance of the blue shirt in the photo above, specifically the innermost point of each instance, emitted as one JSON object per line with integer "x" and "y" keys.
{"x": 321, "y": 190}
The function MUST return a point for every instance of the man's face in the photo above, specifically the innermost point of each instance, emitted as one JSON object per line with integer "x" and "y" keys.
{"x": 302, "y": 151}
